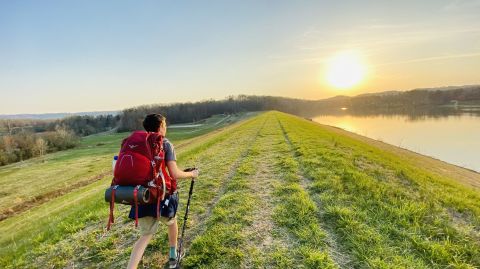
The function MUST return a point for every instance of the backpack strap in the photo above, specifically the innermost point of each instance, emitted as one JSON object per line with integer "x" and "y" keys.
{"x": 135, "y": 201}
{"x": 158, "y": 201}
{"x": 164, "y": 173}
{"x": 112, "y": 207}
{"x": 155, "y": 144}
{"x": 148, "y": 142}
{"x": 154, "y": 141}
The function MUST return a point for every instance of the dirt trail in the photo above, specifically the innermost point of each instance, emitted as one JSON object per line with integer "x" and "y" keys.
{"x": 264, "y": 241}
{"x": 261, "y": 234}
{"x": 200, "y": 227}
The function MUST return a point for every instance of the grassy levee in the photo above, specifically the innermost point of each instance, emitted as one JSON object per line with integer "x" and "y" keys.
{"x": 275, "y": 191}
{"x": 263, "y": 219}
{"x": 387, "y": 212}
{"x": 216, "y": 159}
{"x": 208, "y": 125}
{"x": 32, "y": 233}
{"x": 37, "y": 180}
{"x": 216, "y": 245}
{"x": 72, "y": 234}
{"x": 297, "y": 212}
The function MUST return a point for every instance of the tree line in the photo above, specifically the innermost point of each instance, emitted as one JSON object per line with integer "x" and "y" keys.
{"x": 25, "y": 145}
{"x": 80, "y": 125}
{"x": 394, "y": 102}
{"x": 131, "y": 118}
{"x": 24, "y": 139}
{"x": 405, "y": 101}
{"x": 88, "y": 125}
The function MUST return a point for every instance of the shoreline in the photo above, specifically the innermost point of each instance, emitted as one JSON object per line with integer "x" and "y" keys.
{"x": 466, "y": 176}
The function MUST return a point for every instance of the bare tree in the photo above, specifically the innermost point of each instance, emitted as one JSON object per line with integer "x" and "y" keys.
{"x": 40, "y": 147}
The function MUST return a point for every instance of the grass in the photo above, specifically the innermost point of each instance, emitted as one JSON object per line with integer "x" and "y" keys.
{"x": 386, "y": 211}
{"x": 275, "y": 191}
{"x": 232, "y": 238}
{"x": 101, "y": 147}
{"x": 208, "y": 125}
{"x": 37, "y": 180}
{"x": 36, "y": 177}
{"x": 219, "y": 244}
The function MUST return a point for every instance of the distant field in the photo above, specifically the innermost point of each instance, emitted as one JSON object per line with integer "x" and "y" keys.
{"x": 275, "y": 191}
{"x": 30, "y": 182}
{"x": 205, "y": 126}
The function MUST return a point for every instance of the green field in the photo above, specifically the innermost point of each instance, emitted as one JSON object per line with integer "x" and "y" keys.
{"x": 275, "y": 191}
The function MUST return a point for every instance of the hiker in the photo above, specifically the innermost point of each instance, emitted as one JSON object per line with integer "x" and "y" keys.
{"x": 147, "y": 214}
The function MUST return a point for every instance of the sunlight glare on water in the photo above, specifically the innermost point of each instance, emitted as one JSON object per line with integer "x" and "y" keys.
{"x": 454, "y": 139}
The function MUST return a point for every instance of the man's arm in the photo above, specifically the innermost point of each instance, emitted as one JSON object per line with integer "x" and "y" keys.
{"x": 177, "y": 173}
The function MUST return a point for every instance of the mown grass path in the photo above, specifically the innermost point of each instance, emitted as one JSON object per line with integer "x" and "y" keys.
{"x": 264, "y": 219}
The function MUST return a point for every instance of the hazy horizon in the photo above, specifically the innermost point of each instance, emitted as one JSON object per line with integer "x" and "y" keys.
{"x": 216, "y": 99}
{"x": 59, "y": 57}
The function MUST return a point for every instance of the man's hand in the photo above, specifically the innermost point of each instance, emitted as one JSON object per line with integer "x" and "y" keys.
{"x": 195, "y": 173}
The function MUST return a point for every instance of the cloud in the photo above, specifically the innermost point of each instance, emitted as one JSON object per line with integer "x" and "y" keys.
{"x": 434, "y": 58}
{"x": 313, "y": 45}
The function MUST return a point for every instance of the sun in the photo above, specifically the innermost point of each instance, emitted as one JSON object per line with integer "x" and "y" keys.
{"x": 345, "y": 70}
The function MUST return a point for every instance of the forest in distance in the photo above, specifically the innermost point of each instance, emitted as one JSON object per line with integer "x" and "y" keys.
{"x": 22, "y": 139}
{"x": 424, "y": 101}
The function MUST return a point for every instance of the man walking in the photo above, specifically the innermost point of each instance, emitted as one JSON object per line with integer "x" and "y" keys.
{"x": 147, "y": 214}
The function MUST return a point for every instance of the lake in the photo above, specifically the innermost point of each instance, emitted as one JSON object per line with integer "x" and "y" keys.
{"x": 453, "y": 138}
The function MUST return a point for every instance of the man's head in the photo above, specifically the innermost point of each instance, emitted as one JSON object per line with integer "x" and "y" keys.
{"x": 155, "y": 123}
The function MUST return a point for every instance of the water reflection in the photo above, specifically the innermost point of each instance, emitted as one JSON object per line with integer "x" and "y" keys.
{"x": 412, "y": 113}
{"x": 453, "y": 138}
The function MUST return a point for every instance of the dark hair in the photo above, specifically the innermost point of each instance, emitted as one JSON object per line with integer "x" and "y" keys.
{"x": 152, "y": 122}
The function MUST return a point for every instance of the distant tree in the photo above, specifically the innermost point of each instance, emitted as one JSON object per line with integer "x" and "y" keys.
{"x": 9, "y": 147}
{"x": 40, "y": 147}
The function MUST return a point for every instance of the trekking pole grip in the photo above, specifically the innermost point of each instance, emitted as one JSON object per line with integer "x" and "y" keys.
{"x": 190, "y": 170}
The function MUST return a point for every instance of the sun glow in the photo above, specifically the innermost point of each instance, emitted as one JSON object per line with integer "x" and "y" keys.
{"x": 345, "y": 70}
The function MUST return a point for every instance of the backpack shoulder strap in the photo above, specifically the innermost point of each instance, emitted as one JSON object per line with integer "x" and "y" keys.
{"x": 150, "y": 146}
{"x": 155, "y": 143}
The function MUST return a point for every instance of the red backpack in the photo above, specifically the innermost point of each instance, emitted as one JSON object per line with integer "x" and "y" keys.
{"x": 141, "y": 163}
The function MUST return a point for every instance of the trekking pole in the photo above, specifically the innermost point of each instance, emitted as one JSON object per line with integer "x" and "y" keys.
{"x": 180, "y": 244}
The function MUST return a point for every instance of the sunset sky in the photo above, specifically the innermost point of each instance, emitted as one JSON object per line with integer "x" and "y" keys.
{"x": 70, "y": 56}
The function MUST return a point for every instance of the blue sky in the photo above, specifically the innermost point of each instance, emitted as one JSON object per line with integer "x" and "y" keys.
{"x": 67, "y": 56}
